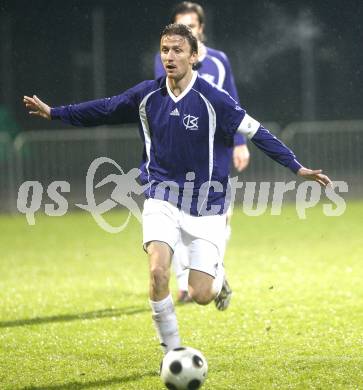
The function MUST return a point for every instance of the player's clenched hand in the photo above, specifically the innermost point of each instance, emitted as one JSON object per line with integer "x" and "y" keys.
{"x": 37, "y": 107}
{"x": 316, "y": 175}
{"x": 241, "y": 157}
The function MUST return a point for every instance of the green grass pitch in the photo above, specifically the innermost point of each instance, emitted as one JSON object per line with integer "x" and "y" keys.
{"x": 74, "y": 308}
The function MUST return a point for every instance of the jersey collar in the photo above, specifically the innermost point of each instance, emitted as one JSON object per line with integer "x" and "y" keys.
{"x": 186, "y": 90}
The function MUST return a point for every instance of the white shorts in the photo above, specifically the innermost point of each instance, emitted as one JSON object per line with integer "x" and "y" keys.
{"x": 203, "y": 236}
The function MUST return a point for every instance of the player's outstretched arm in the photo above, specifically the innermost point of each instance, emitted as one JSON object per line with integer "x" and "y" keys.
{"x": 316, "y": 175}
{"x": 276, "y": 150}
{"x": 122, "y": 108}
{"x": 37, "y": 107}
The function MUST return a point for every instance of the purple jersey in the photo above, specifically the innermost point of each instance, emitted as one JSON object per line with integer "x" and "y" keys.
{"x": 190, "y": 133}
{"x": 215, "y": 68}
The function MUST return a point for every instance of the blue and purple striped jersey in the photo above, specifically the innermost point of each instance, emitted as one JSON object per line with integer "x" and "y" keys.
{"x": 188, "y": 133}
{"x": 215, "y": 68}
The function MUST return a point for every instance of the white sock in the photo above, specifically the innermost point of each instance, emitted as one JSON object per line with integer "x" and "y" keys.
{"x": 165, "y": 322}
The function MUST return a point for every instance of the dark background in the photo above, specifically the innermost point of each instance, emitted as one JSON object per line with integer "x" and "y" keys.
{"x": 292, "y": 60}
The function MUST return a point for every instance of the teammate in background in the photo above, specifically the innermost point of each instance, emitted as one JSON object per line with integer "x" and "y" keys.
{"x": 213, "y": 65}
{"x": 179, "y": 149}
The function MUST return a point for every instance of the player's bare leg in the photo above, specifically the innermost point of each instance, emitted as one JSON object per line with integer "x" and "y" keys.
{"x": 159, "y": 263}
{"x": 206, "y": 275}
{"x": 201, "y": 287}
{"x": 204, "y": 288}
{"x": 161, "y": 302}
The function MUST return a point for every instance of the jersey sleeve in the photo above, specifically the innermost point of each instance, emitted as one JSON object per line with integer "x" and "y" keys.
{"x": 268, "y": 143}
{"x": 239, "y": 139}
{"x": 121, "y": 108}
{"x": 229, "y": 114}
{"x": 159, "y": 70}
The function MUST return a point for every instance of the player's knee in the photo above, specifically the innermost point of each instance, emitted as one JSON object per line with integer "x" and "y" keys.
{"x": 201, "y": 296}
{"x": 159, "y": 265}
{"x": 159, "y": 275}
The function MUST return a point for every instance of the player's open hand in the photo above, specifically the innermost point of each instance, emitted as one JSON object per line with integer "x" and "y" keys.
{"x": 37, "y": 107}
{"x": 316, "y": 175}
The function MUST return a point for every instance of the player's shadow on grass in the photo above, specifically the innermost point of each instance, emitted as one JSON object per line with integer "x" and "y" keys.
{"x": 90, "y": 315}
{"x": 96, "y": 384}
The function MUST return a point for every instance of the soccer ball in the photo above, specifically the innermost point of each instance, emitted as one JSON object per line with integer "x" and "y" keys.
{"x": 183, "y": 368}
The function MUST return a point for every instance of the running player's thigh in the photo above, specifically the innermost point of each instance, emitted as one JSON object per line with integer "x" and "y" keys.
{"x": 209, "y": 228}
{"x": 203, "y": 256}
{"x": 203, "y": 264}
{"x": 160, "y": 223}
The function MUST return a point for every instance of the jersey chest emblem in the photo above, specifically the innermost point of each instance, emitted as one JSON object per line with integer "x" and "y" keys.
{"x": 190, "y": 122}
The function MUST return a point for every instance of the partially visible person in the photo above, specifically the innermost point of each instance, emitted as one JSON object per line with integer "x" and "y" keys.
{"x": 213, "y": 65}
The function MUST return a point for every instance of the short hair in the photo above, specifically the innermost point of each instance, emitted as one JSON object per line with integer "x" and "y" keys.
{"x": 187, "y": 7}
{"x": 184, "y": 31}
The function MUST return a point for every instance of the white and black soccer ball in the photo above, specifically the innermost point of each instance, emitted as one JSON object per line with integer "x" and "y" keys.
{"x": 183, "y": 368}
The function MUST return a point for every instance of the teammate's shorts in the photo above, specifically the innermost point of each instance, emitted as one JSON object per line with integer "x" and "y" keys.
{"x": 202, "y": 237}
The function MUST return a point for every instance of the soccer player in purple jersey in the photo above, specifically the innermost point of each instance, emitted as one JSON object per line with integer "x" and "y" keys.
{"x": 186, "y": 124}
{"x": 213, "y": 65}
